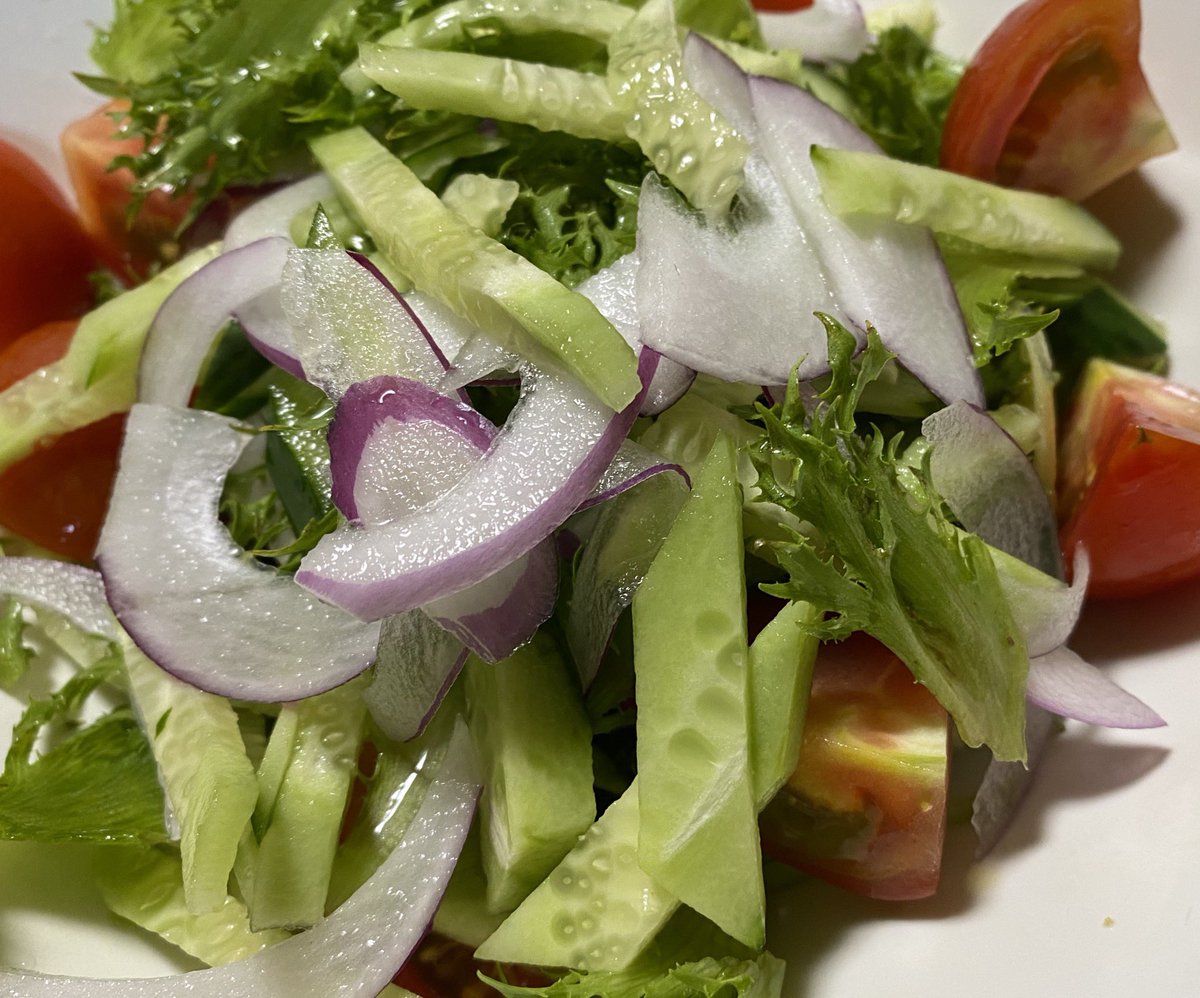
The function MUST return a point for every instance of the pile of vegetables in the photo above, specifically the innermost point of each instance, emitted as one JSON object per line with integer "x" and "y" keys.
{"x": 606, "y": 450}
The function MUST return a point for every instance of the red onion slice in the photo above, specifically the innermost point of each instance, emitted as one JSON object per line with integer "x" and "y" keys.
{"x": 1046, "y": 609}
{"x": 824, "y": 31}
{"x": 395, "y": 447}
{"x": 273, "y": 215}
{"x": 352, "y": 953}
{"x": 349, "y": 325}
{"x": 734, "y": 304}
{"x": 417, "y": 664}
{"x": 72, "y": 591}
{"x": 188, "y": 321}
{"x": 632, "y": 465}
{"x": 613, "y": 291}
{"x": 191, "y": 598}
{"x": 883, "y": 273}
{"x": 499, "y": 614}
{"x": 270, "y": 333}
{"x": 1005, "y": 784}
{"x": 542, "y": 465}
{"x": 990, "y": 485}
{"x": 1064, "y": 684}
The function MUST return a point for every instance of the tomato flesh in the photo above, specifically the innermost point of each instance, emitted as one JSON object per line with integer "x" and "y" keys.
{"x": 45, "y": 256}
{"x": 58, "y": 495}
{"x": 1055, "y": 101}
{"x": 1131, "y": 472}
{"x": 866, "y": 806}
{"x": 130, "y": 246}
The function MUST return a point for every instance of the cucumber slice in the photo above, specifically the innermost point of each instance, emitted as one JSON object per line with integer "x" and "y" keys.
{"x": 781, "y": 667}
{"x": 684, "y": 136}
{"x": 548, "y": 98}
{"x": 452, "y": 23}
{"x": 204, "y": 770}
{"x": 523, "y": 308}
{"x": 980, "y": 213}
{"x": 537, "y": 797}
{"x": 596, "y": 911}
{"x": 699, "y": 831}
{"x": 304, "y": 781}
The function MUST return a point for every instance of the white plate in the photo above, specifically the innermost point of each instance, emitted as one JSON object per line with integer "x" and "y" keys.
{"x": 1092, "y": 892}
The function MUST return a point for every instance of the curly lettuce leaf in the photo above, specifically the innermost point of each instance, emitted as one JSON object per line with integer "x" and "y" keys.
{"x": 14, "y": 656}
{"x": 96, "y": 783}
{"x": 883, "y": 557}
{"x": 900, "y": 90}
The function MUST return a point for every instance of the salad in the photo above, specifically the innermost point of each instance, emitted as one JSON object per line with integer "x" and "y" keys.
{"x": 676, "y": 446}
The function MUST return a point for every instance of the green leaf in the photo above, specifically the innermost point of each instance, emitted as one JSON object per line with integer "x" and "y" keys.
{"x": 886, "y": 560}
{"x": 95, "y": 784}
{"x": 14, "y": 656}
{"x": 900, "y": 90}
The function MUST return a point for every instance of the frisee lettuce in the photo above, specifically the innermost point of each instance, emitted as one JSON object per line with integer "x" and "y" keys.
{"x": 885, "y": 559}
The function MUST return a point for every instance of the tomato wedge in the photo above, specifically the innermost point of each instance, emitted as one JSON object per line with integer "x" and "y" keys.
{"x": 1055, "y": 101}
{"x": 866, "y": 806}
{"x": 45, "y": 256}
{"x": 1131, "y": 472}
{"x": 130, "y": 246}
{"x": 57, "y": 496}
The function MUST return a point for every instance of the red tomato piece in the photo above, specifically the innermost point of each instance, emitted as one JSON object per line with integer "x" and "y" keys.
{"x": 1055, "y": 101}
{"x": 45, "y": 256}
{"x": 57, "y": 496}
{"x": 130, "y": 246}
{"x": 1131, "y": 472}
{"x": 443, "y": 968}
{"x": 865, "y": 808}
{"x": 781, "y": 4}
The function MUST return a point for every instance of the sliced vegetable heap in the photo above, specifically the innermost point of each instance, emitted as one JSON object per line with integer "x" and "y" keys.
{"x": 627, "y": 454}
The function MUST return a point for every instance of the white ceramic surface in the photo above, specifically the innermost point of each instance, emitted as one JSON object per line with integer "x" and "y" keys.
{"x": 1093, "y": 892}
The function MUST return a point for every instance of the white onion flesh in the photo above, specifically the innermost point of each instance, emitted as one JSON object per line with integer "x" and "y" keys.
{"x": 273, "y": 215}
{"x": 825, "y": 31}
{"x": 990, "y": 485}
{"x": 1063, "y": 683}
{"x": 72, "y": 591}
{"x": 194, "y": 313}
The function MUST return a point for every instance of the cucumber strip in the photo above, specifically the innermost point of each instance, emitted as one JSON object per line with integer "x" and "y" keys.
{"x": 482, "y": 201}
{"x": 523, "y": 308}
{"x": 305, "y": 780}
{"x": 548, "y": 98}
{"x": 597, "y": 910}
{"x": 98, "y": 374}
{"x": 699, "y": 830}
{"x": 204, "y": 770}
{"x": 684, "y": 136}
{"x": 537, "y": 797}
{"x": 463, "y": 914}
{"x": 781, "y": 667}
{"x": 456, "y": 23}
{"x": 146, "y": 887}
{"x": 994, "y": 217}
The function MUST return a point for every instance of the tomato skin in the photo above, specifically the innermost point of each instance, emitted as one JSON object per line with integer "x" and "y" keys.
{"x": 1131, "y": 472}
{"x": 865, "y": 808}
{"x": 45, "y": 256}
{"x": 58, "y": 495}
{"x": 443, "y": 968}
{"x": 781, "y": 5}
{"x": 130, "y": 247}
{"x": 1055, "y": 101}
